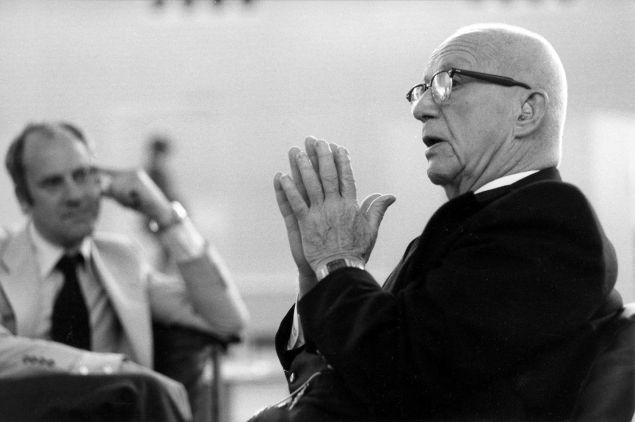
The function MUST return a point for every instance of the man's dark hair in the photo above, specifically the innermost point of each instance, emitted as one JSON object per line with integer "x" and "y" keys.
{"x": 14, "y": 160}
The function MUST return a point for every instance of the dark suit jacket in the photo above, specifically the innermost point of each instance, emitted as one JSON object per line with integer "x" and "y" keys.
{"x": 486, "y": 316}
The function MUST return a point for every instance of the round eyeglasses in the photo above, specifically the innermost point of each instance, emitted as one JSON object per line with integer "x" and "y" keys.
{"x": 442, "y": 82}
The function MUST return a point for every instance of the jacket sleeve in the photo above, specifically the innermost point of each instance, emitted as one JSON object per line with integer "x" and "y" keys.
{"x": 522, "y": 277}
{"x": 21, "y": 356}
{"x": 204, "y": 297}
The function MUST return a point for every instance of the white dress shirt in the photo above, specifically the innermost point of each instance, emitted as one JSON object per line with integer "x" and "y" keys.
{"x": 505, "y": 180}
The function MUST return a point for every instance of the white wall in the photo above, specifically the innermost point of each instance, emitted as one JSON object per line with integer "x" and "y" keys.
{"x": 237, "y": 86}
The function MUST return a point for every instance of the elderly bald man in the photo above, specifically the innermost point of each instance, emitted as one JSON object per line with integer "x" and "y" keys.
{"x": 489, "y": 312}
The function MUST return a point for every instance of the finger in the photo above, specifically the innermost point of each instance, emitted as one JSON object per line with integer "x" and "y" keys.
{"x": 107, "y": 171}
{"x": 345, "y": 171}
{"x": 290, "y": 221}
{"x": 104, "y": 177}
{"x": 368, "y": 201}
{"x": 295, "y": 200}
{"x": 105, "y": 184}
{"x": 334, "y": 147}
{"x": 328, "y": 172}
{"x": 281, "y": 197}
{"x": 309, "y": 147}
{"x": 378, "y": 208}
{"x": 310, "y": 179}
{"x": 295, "y": 173}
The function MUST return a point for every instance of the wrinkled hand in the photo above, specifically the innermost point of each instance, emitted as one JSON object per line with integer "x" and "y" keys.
{"x": 134, "y": 189}
{"x": 330, "y": 223}
{"x": 175, "y": 390}
{"x": 291, "y": 222}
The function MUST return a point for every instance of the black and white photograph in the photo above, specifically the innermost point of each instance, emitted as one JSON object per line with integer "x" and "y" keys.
{"x": 317, "y": 210}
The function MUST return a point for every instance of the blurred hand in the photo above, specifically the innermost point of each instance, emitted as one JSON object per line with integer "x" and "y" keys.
{"x": 322, "y": 208}
{"x": 175, "y": 390}
{"x": 134, "y": 189}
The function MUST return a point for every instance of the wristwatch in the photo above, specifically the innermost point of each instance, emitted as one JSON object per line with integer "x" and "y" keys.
{"x": 178, "y": 215}
{"x": 325, "y": 269}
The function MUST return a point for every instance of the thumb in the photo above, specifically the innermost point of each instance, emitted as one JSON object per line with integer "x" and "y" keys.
{"x": 378, "y": 208}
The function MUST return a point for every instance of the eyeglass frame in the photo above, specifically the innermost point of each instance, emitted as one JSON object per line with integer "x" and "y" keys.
{"x": 487, "y": 77}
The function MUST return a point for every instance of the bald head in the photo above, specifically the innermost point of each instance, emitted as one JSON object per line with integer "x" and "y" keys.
{"x": 497, "y": 106}
{"x": 510, "y": 50}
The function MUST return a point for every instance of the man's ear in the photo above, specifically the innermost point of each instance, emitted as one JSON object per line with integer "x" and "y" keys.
{"x": 532, "y": 111}
{"x": 25, "y": 203}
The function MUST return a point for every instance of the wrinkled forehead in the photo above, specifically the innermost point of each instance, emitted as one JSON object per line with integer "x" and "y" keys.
{"x": 466, "y": 51}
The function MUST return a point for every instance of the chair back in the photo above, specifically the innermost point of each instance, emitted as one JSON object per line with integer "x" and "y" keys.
{"x": 608, "y": 390}
{"x": 194, "y": 359}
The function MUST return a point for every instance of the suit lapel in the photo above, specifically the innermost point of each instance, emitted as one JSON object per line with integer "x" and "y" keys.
{"x": 21, "y": 281}
{"x": 129, "y": 303}
{"x": 444, "y": 225}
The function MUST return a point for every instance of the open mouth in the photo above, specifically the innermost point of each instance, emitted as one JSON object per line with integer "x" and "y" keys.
{"x": 432, "y": 140}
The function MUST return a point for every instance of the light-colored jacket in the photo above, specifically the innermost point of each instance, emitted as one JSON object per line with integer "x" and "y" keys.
{"x": 202, "y": 298}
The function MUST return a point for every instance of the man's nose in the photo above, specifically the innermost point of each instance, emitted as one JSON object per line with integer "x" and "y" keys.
{"x": 424, "y": 108}
{"x": 74, "y": 190}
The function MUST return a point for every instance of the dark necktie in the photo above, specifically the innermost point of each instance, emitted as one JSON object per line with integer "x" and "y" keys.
{"x": 70, "y": 322}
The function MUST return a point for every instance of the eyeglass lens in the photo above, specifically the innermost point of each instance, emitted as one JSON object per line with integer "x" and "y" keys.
{"x": 415, "y": 93}
{"x": 441, "y": 85}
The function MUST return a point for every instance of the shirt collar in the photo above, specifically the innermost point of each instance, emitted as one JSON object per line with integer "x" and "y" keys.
{"x": 47, "y": 254}
{"x": 504, "y": 181}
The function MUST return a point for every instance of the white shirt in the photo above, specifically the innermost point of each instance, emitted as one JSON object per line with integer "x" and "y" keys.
{"x": 296, "y": 337}
{"x": 106, "y": 333}
{"x": 504, "y": 181}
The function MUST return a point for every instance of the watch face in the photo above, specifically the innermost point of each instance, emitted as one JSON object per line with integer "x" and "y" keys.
{"x": 335, "y": 264}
